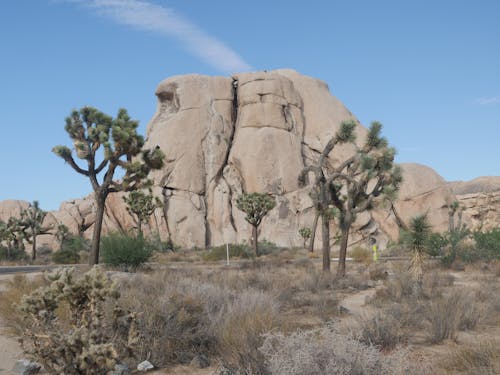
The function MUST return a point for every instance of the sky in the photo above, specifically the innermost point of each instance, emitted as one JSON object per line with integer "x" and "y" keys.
{"x": 428, "y": 70}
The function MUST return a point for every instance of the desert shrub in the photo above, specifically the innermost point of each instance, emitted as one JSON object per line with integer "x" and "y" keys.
{"x": 323, "y": 351}
{"x": 12, "y": 254}
{"x": 84, "y": 344}
{"x": 436, "y": 244}
{"x": 488, "y": 244}
{"x": 361, "y": 254}
{"x": 396, "y": 289}
{"x": 124, "y": 250}
{"x": 475, "y": 358}
{"x": 240, "y": 331}
{"x": 378, "y": 272}
{"x": 173, "y": 318}
{"x": 268, "y": 247}
{"x": 381, "y": 330}
{"x": 444, "y": 317}
{"x": 220, "y": 252}
{"x": 72, "y": 251}
{"x": 184, "y": 314}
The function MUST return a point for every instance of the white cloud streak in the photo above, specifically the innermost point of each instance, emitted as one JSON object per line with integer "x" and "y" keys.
{"x": 147, "y": 16}
{"x": 488, "y": 100}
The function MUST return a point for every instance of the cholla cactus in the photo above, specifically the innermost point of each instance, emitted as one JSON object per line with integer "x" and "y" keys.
{"x": 84, "y": 343}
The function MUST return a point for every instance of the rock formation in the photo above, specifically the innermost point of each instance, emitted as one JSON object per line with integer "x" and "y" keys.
{"x": 480, "y": 200}
{"x": 251, "y": 132}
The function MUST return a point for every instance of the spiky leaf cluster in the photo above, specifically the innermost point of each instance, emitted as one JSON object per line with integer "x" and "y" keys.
{"x": 83, "y": 345}
{"x": 305, "y": 233}
{"x": 91, "y": 130}
{"x": 256, "y": 206}
{"x": 32, "y": 219}
{"x": 142, "y": 205}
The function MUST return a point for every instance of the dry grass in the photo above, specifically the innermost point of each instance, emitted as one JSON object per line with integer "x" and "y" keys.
{"x": 15, "y": 289}
{"x": 474, "y": 358}
{"x": 324, "y": 351}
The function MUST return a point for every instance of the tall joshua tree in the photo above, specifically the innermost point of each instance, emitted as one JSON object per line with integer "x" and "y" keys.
{"x": 353, "y": 186}
{"x": 256, "y": 206}
{"x": 91, "y": 131}
{"x": 321, "y": 189}
{"x": 32, "y": 219}
{"x": 142, "y": 206}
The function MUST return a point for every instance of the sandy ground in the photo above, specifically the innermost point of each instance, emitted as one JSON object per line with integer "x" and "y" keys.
{"x": 10, "y": 351}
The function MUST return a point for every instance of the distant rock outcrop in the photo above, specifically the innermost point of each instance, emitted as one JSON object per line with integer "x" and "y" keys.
{"x": 480, "y": 200}
{"x": 251, "y": 132}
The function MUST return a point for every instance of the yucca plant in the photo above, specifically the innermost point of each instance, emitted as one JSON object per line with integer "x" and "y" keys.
{"x": 418, "y": 237}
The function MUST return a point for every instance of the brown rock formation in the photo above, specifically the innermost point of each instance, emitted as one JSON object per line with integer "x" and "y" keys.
{"x": 250, "y": 132}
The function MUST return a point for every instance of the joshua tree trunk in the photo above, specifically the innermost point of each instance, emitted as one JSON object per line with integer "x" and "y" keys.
{"x": 139, "y": 228}
{"x": 33, "y": 256}
{"x": 325, "y": 234}
{"x": 313, "y": 232}
{"x": 343, "y": 250}
{"x": 255, "y": 243}
{"x": 96, "y": 238}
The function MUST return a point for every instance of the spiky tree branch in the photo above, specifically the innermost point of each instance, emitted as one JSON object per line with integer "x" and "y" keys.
{"x": 91, "y": 131}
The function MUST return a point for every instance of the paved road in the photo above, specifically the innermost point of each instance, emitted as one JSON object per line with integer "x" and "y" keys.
{"x": 4, "y": 270}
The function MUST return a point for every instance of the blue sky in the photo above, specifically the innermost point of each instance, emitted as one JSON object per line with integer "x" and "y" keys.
{"x": 428, "y": 70}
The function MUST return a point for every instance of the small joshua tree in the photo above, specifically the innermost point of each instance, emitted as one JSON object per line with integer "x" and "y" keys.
{"x": 62, "y": 234}
{"x": 418, "y": 237}
{"x": 89, "y": 129}
{"x": 32, "y": 220}
{"x": 256, "y": 206}
{"x": 87, "y": 343}
{"x": 142, "y": 206}
{"x": 305, "y": 233}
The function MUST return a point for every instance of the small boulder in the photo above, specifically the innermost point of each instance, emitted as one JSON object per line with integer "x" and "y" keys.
{"x": 200, "y": 361}
{"x": 145, "y": 366}
{"x": 26, "y": 367}
{"x": 120, "y": 369}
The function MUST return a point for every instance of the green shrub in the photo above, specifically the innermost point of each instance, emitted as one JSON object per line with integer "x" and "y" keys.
{"x": 436, "y": 244}
{"x": 65, "y": 256}
{"x": 220, "y": 252}
{"x": 124, "y": 250}
{"x": 71, "y": 249}
{"x": 488, "y": 244}
{"x": 268, "y": 247}
{"x": 12, "y": 254}
{"x": 361, "y": 254}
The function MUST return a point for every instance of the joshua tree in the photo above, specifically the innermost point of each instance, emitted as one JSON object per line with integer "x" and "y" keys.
{"x": 456, "y": 231}
{"x": 142, "y": 205}
{"x": 32, "y": 220}
{"x": 353, "y": 186}
{"x": 256, "y": 206}
{"x": 89, "y": 129}
{"x": 418, "y": 236}
{"x": 62, "y": 234}
{"x": 321, "y": 191}
{"x": 305, "y": 233}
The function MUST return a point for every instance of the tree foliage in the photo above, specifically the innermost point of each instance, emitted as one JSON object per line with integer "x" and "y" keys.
{"x": 105, "y": 144}
{"x": 142, "y": 206}
{"x": 354, "y": 185}
{"x": 31, "y": 221}
{"x": 418, "y": 240}
{"x": 256, "y": 206}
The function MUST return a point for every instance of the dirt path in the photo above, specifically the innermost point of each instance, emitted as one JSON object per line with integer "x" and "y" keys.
{"x": 10, "y": 351}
